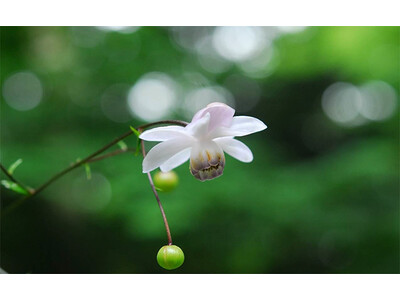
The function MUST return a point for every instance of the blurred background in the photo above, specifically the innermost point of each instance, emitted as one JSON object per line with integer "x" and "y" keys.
{"x": 321, "y": 196}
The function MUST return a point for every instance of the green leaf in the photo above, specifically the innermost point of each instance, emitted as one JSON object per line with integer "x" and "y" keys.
{"x": 122, "y": 145}
{"x": 12, "y": 168}
{"x": 137, "y": 133}
{"x": 14, "y": 187}
{"x": 88, "y": 171}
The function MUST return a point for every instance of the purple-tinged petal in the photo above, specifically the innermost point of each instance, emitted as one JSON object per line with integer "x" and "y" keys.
{"x": 221, "y": 115}
{"x": 199, "y": 128}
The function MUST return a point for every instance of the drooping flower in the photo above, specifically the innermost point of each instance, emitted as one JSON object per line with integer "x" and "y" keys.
{"x": 204, "y": 140}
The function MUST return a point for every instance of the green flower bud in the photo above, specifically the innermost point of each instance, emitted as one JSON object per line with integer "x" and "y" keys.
{"x": 166, "y": 181}
{"x": 170, "y": 257}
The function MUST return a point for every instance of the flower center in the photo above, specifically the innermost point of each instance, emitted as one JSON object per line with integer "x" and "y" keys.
{"x": 207, "y": 161}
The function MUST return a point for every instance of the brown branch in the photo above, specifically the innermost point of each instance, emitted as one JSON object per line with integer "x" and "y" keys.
{"x": 114, "y": 153}
{"x": 91, "y": 158}
{"x": 80, "y": 163}
{"x": 12, "y": 178}
{"x": 158, "y": 199}
{"x": 101, "y": 150}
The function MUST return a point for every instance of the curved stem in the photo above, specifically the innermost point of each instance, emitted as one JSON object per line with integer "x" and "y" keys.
{"x": 90, "y": 158}
{"x": 114, "y": 153}
{"x": 12, "y": 178}
{"x": 158, "y": 199}
{"x": 81, "y": 162}
{"x": 165, "y": 122}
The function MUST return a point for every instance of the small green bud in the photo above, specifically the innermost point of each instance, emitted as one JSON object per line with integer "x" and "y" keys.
{"x": 166, "y": 181}
{"x": 170, "y": 257}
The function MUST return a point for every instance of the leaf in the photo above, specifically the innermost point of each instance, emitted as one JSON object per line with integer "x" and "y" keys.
{"x": 14, "y": 187}
{"x": 12, "y": 168}
{"x": 122, "y": 145}
{"x": 136, "y": 132}
{"x": 88, "y": 171}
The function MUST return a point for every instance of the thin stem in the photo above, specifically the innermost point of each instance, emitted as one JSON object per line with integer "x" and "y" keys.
{"x": 165, "y": 122}
{"x": 7, "y": 173}
{"x": 158, "y": 199}
{"x": 114, "y": 153}
{"x": 92, "y": 157}
{"x": 81, "y": 162}
{"x": 12, "y": 178}
{"x": 101, "y": 150}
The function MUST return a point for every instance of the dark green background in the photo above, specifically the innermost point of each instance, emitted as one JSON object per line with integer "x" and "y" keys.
{"x": 318, "y": 197}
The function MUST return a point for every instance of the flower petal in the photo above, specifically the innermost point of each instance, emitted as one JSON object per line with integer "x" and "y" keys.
{"x": 235, "y": 148}
{"x": 199, "y": 128}
{"x": 176, "y": 160}
{"x": 221, "y": 115}
{"x": 162, "y": 152}
{"x": 161, "y": 134}
{"x": 241, "y": 126}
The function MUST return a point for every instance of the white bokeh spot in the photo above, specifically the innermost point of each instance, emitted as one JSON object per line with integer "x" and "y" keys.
{"x": 153, "y": 97}
{"x": 23, "y": 91}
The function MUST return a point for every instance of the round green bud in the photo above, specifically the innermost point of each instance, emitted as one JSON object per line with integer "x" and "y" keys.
{"x": 166, "y": 181}
{"x": 170, "y": 257}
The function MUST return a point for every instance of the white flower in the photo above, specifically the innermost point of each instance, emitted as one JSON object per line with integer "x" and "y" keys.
{"x": 204, "y": 141}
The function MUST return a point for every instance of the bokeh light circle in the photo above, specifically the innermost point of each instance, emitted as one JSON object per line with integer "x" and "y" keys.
{"x": 350, "y": 105}
{"x": 92, "y": 194}
{"x": 379, "y": 100}
{"x": 341, "y": 102}
{"x": 238, "y": 43}
{"x": 153, "y": 97}
{"x": 120, "y": 29}
{"x": 23, "y": 91}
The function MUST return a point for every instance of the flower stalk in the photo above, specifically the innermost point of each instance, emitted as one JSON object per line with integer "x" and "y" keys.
{"x": 157, "y": 198}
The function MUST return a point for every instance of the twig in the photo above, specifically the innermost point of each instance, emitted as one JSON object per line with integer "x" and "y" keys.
{"x": 101, "y": 150}
{"x": 116, "y": 152}
{"x": 157, "y": 198}
{"x": 18, "y": 202}
{"x": 89, "y": 158}
{"x": 81, "y": 162}
{"x": 12, "y": 178}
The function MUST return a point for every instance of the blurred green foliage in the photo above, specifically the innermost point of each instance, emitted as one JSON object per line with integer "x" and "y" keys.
{"x": 319, "y": 197}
